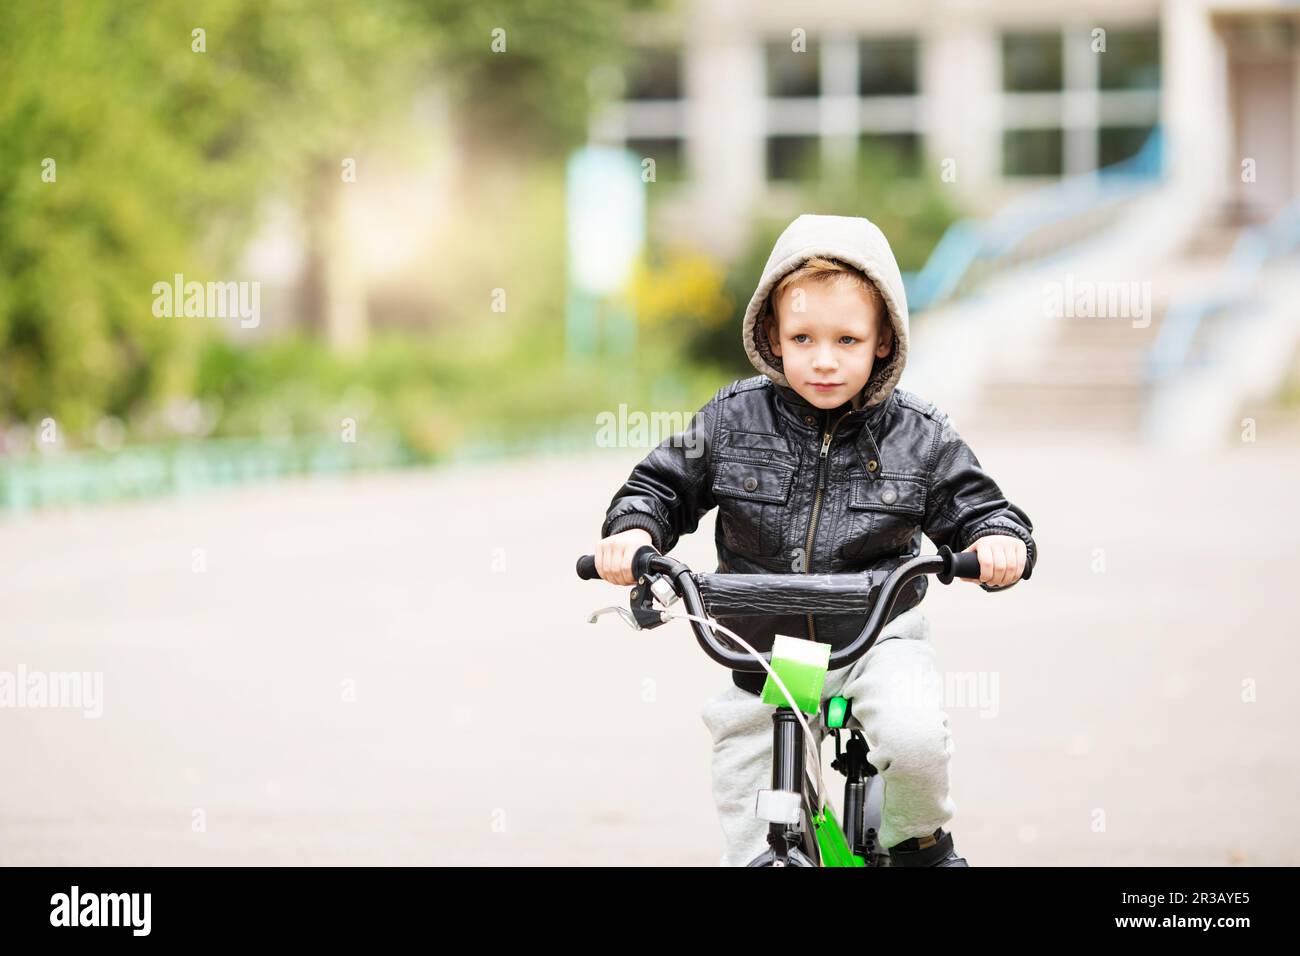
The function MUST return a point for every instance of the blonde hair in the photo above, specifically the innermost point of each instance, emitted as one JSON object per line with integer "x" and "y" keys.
{"x": 826, "y": 271}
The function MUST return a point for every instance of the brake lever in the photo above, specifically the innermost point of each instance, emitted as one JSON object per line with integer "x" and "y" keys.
{"x": 642, "y": 614}
{"x": 642, "y": 600}
{"x": 622, "y": 612}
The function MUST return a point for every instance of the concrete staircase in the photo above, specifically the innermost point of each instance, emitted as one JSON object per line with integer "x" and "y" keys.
{"x": 1088, "y": 377}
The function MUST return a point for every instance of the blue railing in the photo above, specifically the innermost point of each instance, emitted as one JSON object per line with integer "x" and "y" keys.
{"x": 1254, "y": 247}
{"x": 968, "y": 243}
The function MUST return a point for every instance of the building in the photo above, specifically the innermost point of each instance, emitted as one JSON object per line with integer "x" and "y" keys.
{"x": 735, "y": 99}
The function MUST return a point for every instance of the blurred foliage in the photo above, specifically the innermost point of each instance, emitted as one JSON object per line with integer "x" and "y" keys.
{"x": 436, "y": 393}
{"x": 1288, "y": 395}
{"x": 536, "y": 98}
{"x": 163, "y": 155}
{"x": 680, "y": 289}
{"x": 908, "y": 201}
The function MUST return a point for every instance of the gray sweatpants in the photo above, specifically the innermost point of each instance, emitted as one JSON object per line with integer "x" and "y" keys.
{"x": 906, "y": 730}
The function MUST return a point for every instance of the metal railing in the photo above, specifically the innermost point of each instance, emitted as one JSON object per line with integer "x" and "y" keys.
{"x": 1172, "y": 348}
{"x": 1032, "y": 226}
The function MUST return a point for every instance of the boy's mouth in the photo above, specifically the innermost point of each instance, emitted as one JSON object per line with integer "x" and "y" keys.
{"x": 825, "y": 386}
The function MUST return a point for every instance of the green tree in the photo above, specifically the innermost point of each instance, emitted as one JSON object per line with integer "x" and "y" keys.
{"x": 161, "y": 152}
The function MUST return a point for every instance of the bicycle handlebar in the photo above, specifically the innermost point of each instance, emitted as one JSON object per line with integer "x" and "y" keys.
{"x": 765, "y": 594}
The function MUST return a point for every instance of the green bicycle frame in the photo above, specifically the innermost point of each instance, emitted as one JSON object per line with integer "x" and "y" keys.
{"x": 801, "y": 666}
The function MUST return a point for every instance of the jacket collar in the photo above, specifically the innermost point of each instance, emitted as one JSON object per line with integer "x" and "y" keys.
{"x": 870, "y": 416}
{"x": 865, "y": 421}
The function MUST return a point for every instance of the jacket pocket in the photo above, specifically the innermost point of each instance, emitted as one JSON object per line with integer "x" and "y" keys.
{"x": 752, "y": 494}
{"x": 755, "y": 446}
{"x": 882, "y": 518}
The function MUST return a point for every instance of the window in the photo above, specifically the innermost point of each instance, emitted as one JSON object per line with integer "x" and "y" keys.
{"x": 1031, "y": 62}
{"x": 1045, "y": 74}
{"x": 790, "y": 73}
{"x": 887, "y": 66}
{"x": 1032, "y": 152}
{"x": 1117, "y": 143}
{"x": 1131, "y": 60}
{"x": 667, "y": 153}
{"x": 654, "y": 73}
{"x": 866, "y": 108}
{"x": 793, "y": 157}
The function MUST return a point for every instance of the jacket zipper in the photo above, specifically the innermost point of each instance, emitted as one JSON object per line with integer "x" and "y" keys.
{"x": 817, "y": 505}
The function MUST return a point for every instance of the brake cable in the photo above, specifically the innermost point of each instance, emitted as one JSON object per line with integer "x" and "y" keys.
{"x": 810, "y": 742}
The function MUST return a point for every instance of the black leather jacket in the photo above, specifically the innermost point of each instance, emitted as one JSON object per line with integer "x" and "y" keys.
{"x": 800, "y": 489}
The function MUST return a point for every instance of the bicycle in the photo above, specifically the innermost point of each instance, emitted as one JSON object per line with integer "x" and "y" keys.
{"x": 803, "y": 829}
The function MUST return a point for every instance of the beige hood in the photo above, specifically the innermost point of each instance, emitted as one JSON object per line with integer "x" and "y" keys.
{"x": 851, "y": 239}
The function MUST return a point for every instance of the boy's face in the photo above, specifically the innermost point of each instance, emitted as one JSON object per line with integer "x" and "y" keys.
{"x": 828, "y": 340}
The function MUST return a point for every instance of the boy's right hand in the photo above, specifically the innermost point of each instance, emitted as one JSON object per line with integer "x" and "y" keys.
{"x": 614, "y": 554}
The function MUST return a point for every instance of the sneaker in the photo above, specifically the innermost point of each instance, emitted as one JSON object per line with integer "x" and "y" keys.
{"x": 933, "y": 850}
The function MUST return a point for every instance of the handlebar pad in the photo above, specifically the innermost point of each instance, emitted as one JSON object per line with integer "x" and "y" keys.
{"x": 587, "y": 567}
{"x": 763, "y": 595}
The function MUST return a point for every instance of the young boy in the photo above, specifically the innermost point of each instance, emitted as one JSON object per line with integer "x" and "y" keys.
{"x": 821, "y": 464}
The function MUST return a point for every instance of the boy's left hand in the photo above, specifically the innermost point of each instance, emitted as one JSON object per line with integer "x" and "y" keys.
{"x": 1002, "y": 559}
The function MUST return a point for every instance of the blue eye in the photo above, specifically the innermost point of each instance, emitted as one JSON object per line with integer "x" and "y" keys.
{"x": 849, "y": 337}
{"x": 801, "y": 335}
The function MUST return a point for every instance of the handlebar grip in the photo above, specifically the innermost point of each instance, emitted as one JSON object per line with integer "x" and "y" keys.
{"x": 958, "y": 564}
{"x": 966, "y": 564}
{"x": 640, "y": 563}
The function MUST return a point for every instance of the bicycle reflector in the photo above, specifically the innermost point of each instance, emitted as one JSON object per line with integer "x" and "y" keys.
{"x": 801, "y": 665}
{"x": 836, "y": 708}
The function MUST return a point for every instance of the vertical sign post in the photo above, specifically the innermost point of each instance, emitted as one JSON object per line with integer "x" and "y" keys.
{"x": 605, "y": 226}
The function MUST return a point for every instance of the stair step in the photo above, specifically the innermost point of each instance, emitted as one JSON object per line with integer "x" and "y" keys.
{"x": 1064, "y": 418}
{"x": 1118, "y": 332}
{"x": 1104, "y": 359}
{"x": 1092, "y": 380}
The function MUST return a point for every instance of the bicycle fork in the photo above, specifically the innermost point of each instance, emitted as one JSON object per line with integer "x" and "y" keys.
{"x": 789, "y": 835}
{"x": 789, "y": 809}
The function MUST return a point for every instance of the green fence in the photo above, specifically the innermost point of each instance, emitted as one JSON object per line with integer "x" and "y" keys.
{"x": 144, "y": 471}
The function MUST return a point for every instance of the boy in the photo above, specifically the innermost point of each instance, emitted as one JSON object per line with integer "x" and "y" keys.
{"x": 820, "y": 464}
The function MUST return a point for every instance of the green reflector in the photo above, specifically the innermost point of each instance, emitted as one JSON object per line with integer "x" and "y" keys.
{"x": 835, "y": 710}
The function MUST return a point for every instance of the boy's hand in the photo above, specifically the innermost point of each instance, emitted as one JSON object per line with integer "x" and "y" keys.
{"x": 1002, "y": 559}
{"x": 614, "y": 554}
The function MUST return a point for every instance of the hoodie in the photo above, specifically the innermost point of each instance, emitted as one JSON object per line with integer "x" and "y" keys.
{"x": 857, "y": 242}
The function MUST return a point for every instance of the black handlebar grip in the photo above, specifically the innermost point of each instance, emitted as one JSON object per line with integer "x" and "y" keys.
{"x": 587, "y": 567}
{"x": 966, "y": 564}
{"x": 962, "y": 564}
{"x": 587, "y": 563}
